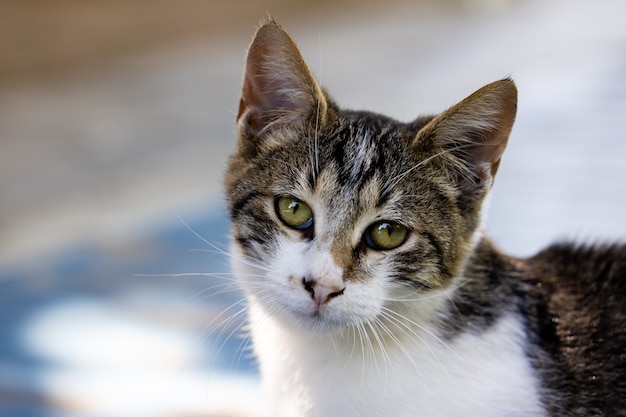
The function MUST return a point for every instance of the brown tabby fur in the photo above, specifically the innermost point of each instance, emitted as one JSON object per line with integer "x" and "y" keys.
{"x": 432, "y": 174}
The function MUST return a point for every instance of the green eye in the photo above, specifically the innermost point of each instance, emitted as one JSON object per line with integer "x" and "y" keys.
{"x": 294, "y": 213}
{"x": 385, "y": 235}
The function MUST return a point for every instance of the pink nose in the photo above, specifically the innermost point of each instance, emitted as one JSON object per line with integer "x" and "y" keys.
{"x": 321, "y": 293}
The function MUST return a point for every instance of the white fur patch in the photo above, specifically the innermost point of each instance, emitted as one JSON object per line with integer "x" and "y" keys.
{"x": 477, "y": 375}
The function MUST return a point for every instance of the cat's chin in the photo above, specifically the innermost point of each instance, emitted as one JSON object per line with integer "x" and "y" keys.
{"x": 317, "y": 323}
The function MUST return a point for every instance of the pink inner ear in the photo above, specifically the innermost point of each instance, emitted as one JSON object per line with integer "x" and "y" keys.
{"x": 246, "y": 107}
{"x": 489, "y": 151}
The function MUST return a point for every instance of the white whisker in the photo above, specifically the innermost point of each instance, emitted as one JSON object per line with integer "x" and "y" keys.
{"x": 402, "y": 317}
{"x": 211, "y": 327}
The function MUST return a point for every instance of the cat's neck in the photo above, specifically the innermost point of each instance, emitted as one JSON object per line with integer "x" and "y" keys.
{"x": 491, "y": 285}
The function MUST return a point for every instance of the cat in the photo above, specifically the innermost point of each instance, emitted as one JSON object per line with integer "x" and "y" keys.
{"x": 372, "y": 289}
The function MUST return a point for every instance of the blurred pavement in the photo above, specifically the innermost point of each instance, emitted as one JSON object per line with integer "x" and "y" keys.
{"x": 112, "y": 280}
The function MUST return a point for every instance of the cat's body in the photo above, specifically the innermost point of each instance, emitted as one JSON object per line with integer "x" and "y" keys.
{"x": 372, "y": 290}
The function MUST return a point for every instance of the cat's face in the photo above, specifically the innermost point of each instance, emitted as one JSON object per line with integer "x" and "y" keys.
{"x": 342, "y": 218}
{"x": 344, "y": 214}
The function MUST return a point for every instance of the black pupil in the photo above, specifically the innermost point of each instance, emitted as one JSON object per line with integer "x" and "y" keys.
{"x": 294, "y": 206}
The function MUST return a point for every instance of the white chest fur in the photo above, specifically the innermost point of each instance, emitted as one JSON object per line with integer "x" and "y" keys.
{"x": 478, "y": 375}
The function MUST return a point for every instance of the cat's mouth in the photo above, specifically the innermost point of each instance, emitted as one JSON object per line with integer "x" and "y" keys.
{"x": 317, "y": 315}
{"x": 322, "y": 320}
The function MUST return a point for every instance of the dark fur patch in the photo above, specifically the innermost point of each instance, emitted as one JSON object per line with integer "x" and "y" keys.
{"x": 572, "y": 300}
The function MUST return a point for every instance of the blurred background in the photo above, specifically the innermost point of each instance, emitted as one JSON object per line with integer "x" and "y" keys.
{"x": 116, "y": 121}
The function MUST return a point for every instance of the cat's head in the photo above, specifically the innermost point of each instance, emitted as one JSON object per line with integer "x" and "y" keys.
{"x": 339, "y": 216}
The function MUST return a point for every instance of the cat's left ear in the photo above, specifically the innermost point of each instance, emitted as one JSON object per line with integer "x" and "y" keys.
{"x": 470, "y": 138}
{"x": 278, "y": 87}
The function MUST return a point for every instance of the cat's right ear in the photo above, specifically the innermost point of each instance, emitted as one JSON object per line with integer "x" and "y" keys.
{"x": 278, "y": 87}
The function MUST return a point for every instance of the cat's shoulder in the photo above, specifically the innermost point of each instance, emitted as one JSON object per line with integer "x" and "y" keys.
{"x": 582, "y": 280}
{"x": 580, "y": 316}
{"x": 588, "y": 268}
